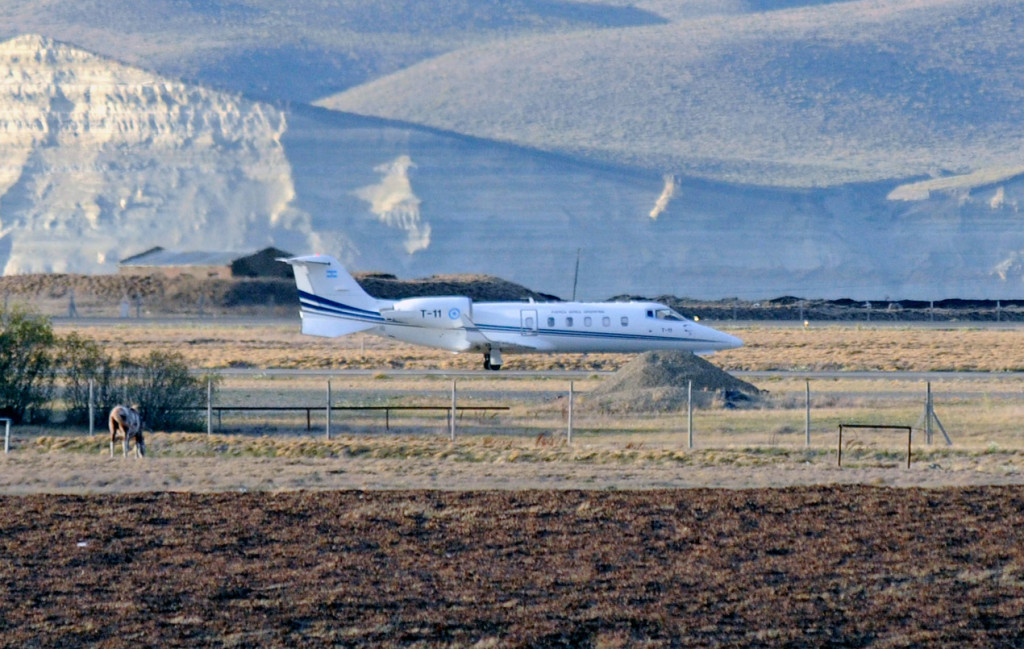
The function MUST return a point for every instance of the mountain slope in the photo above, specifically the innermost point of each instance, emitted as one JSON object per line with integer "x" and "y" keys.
{"x": 813, "y": 96}
{"x": 302, "y": 49}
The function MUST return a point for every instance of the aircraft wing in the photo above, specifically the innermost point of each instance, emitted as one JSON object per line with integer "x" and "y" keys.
{"x": 523, "y": 346}
{"x": 474, "y": 338}
{"x": 513, "y": 341}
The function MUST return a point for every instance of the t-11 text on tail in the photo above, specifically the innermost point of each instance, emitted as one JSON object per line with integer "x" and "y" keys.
{"x": 333, "y": 304}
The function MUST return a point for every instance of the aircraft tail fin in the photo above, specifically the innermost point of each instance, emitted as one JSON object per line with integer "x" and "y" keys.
{"x": 332, "y": 302}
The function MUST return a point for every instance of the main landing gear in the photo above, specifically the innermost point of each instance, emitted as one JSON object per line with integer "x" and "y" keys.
{"x": 492, "y": 360}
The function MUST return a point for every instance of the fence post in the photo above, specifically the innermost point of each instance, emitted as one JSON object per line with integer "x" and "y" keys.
{"x": 807, "y": 418}
{"x": 92, "y": 411}
{"x": 328, "y": 409}
{"x": 7, "y": 435}
{"x": 840, "y": 457}
{"x": 928, "y": 414}
{"x": 569, "y": 432}
{"x": 209, "y": 405}
{"x": 689, "y": 413}
{"x": 454, "y": 405}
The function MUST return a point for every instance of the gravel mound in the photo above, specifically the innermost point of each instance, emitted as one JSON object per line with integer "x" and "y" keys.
{"x": 657, "y": 382}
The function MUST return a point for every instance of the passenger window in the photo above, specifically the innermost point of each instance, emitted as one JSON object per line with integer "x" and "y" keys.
{"x": 625, "y": 321}
{"x": 568, "y": 322}
{"x": 587, "y": 321}
{"x": 551, "y": 322}
{"x": 606, "y": 321}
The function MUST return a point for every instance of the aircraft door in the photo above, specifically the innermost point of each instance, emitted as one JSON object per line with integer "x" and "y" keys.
{"x": 528, "y": 322}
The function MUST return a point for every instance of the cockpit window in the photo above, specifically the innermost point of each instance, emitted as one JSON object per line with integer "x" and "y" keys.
{"x": 668, "y": 314}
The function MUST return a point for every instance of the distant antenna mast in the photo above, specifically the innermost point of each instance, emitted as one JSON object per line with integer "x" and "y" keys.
{"x": 576, "y": 276}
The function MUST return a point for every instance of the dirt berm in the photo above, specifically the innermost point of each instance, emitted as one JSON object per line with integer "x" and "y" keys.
{"x": 658, "y": 381}
{"x": 101, "y": 295}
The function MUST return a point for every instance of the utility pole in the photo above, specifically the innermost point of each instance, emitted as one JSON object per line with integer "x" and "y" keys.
{"x": 576, "y": 275}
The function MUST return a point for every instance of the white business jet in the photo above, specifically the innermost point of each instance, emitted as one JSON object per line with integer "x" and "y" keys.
{"x": 333, "y": 304}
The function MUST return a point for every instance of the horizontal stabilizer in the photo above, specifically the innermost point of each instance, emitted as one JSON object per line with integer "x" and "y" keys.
{"x": 308, "y": 259}
{"x": 331, "y": 326}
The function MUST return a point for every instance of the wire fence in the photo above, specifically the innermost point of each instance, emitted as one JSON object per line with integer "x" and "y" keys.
{"x": 979, "y": 413}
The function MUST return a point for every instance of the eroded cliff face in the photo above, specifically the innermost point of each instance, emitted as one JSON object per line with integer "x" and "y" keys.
{"x": 99, "y": 161}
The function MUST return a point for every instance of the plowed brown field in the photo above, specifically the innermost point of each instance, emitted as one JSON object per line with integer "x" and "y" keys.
{"x": 812, "y": 566}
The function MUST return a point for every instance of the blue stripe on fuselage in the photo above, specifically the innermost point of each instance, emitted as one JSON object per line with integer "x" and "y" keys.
{"x": 606, "y": 335}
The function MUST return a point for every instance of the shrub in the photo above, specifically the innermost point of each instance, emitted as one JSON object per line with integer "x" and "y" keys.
{"x": 26, "y": 366}
{"x": 83, "y": 361}
{"x": 31, "y": 355}
{"x": 159, "y": 384}
{"x": 168, "y": 396}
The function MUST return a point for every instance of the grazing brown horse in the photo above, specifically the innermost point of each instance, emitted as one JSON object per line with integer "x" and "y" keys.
{"x": 127, "y": 421}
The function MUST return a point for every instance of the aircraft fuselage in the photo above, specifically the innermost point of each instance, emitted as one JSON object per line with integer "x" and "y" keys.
{"x": 571, "y": 327}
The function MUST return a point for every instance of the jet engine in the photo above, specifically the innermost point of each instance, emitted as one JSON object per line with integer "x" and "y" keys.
{"x": 436, "y": 312}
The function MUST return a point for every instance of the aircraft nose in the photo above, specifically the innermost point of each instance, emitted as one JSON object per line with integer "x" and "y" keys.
{"x": 721, "y": 340}
{"x": 729, "y": 341}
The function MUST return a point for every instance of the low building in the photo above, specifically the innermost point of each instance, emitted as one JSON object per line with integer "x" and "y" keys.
{"x": 207, "y": 264}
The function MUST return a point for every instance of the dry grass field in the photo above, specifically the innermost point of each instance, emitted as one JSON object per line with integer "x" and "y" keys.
{"x": 524, "y": 443}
